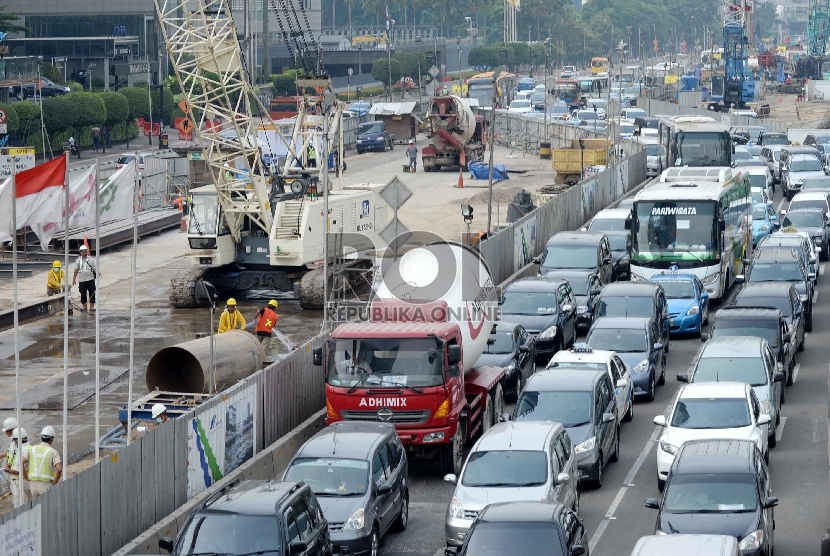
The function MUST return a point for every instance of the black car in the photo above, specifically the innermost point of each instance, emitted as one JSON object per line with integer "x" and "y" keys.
{"x": 783, "y": 265}
{"x": 784, "y": 297}
{"x": 768, "y": 138}
{"x": 577, "y": 251}
{"x": 719, "y": 487}
{"x": 524, "y": 528}
{"x": 360, "y": 475}
{"x": 47, "y": 89}
{"x": 545, "y": 308}
{"x": 586, "y": 286}
{"x": 637, "y": 299}
{"x": 620, "y": 243}
{"x": 511, "y": 347}
{"x": 765, "y": 322}
{"x": 373, "y": 136}
{"x": 635, "y": 341}
{"x": 256, "y": 517}
{"x": 584, "y": 402}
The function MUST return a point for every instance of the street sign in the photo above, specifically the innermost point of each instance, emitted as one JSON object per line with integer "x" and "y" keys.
{"x": 434, "y": 71}
{"x": 194, "y": 155}
{"x": 22, "y": 162}
{"x": 2, "y": 117}
{"x": 350, "y": 72}
{"x": 395, "y": 193}
{"x": 132, "y": 69}
{"x": 481, "y": 68}
{"x": 395, "y": 234}
{"x": 183, "y": 106}
{"x": 4, "y": 128}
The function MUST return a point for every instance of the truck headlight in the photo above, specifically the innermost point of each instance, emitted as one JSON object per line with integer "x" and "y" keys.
{"x": 547, "y": 334}
{"x": 693, "y": 311}
{"x": 642, "y": 366}
{"x": 355, "y": 521}
{"x": 433, "y": 437}
{"x": 456, "y": 509}
{"x": 586, "y": 446}
{"x": 711, "y": 279}
{"x": 668, "y": 448}
{"x": 752, "y": 541}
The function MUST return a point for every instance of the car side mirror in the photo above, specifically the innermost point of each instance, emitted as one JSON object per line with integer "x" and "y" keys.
{"x": 454, "y": 355}
{"x": 657, "y": 346}
{"x": 562, "y": 478}
{"x": 524, "y": 349}
{"x": 660, "y": 420}
{"x": 578, "y": 550}
{"x": 628, "y": 224}
{"x": 536, "y": 260}
{"x": 651, "y": 503}
{"x": 622, "y": 383}
{"x": 740, "y": 279}
{"x": 704, "y": 336}
{"x": 763, "y": 419}
{"x": 583, "y": 229}
{"x": 607, "y": 417}
{"x": 778, "y": 376}
{"x": 451, "y": 478}
{"x": 166, "y": 544}
{"x": 745, "y": 261}
{"x": 770, "y": 502}
{"x": 811, "y": 275}
{"x": 665, "y": 316}
{"x": 317, "y": 356}
{"x": 297, "y": 547}
{"x": 606, "y": 260}
{"x": 384, "y": 489}
{"x": 683, "y": 377}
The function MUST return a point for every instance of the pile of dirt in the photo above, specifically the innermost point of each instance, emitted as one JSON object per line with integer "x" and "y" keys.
{"x": 500, "y": 195}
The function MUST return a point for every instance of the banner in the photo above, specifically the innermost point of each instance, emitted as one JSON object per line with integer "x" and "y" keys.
{"x": 20, "y": 536}
{"x": 22, "y": 161}
{"x": 39, "y": 198}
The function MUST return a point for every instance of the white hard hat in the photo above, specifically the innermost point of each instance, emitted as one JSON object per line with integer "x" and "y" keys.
{"x": 9, "y": 423}
{"x": 48, "y": 431}
{"x": 158, "y": 409}
{"x": 82, "y": 248}
{"x": 17, "y": 431}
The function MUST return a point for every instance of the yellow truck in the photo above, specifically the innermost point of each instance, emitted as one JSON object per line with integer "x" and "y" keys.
{"x": 569, "y": 162}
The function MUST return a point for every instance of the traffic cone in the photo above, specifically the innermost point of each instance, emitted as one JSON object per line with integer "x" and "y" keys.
{"x": 779, "y": 98}
{"x": 460, "y": 184}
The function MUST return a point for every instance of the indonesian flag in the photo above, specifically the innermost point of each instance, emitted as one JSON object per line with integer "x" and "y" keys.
{"x": 39, "y": 198}
{"x": 387, "y": 17}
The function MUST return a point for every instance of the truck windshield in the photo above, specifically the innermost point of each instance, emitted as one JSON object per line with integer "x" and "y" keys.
{"x": 711, "y": 148}
{"x": 385, "y": 363}
{"x": 204, "y": 214}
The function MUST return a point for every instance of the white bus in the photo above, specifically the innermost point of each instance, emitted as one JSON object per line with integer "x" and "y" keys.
{"x": 695, "y": 141}
{"x": 696, "y": 221}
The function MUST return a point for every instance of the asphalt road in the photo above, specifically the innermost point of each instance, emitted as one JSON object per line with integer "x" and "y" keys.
{"x": 615, "y": 517}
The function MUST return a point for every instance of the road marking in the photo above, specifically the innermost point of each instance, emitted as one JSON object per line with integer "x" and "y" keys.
{"x": 815, "y": 297}
{"x": 821, "y": 270}
{"x": 795, "y": 371}
{"x": 627, "y": 482}
{"x": 780, "y": 204}
{"x": 779, "y": 430}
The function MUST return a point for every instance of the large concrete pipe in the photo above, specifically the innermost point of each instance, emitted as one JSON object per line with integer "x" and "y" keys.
{"x": 185, "y": 367}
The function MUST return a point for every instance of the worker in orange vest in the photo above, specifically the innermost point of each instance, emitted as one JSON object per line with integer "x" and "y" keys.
{"x": 266, "y": 318}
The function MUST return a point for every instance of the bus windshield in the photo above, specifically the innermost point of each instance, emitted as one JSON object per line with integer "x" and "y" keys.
{"x": 483, "y": 91}
{"x": 674, "y": 230}
{"x": 702, "y": 148}
{"x": 566, "y": 90}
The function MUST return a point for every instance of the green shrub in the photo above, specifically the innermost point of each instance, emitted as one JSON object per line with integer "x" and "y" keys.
{"x": 117, "y": 105}
{"x": 12, "y": 120}
{"x": 59, "y": 113}
{"x": 28, "y": 116}
{"x": 89, "y": 109}
{"x": 138, "y": 101}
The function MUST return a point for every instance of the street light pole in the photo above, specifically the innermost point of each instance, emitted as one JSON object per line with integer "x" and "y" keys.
{"x": 389, "y": 58}
{"x": 492, "y": 141}
{"x": 547, "y": 44}
{"x": 458, "y": 40}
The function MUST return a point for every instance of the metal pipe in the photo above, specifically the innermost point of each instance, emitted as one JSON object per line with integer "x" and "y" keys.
{"x": 66, "y": 294}
{"x": 97, "y": 309}
{"x": 185, "y": 367}
{"x": 136, "y": 201}
{"x": 18, "y": 460}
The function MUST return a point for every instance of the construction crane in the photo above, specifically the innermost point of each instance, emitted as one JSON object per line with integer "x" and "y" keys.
{"x": 257, "y": 226}
{"x": 818, "y": 27}
{"x": 738, "y": 85}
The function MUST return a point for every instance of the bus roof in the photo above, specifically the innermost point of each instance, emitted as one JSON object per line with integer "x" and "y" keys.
{"x": 489, "y": 75}
{"x": 690, "y": 184}
{"x": 603, "y": 58}
{"x": 694, "y": 123}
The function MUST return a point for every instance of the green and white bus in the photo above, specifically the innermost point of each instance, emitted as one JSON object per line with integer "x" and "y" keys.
{"x": 695, "y": 221}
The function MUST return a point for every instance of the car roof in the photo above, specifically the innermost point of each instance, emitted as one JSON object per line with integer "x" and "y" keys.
{"x": 727, "y": 313}
{"x": 686, "y": 545}
{"x": 521, "y": 512}
{"x": 764, "y": 289}
{"x": 349, "y": 440}
{"x": 616, "y": 213}
{"x": 577, "y": 238}
{"x": 628, "y": 323}
{"x": 732, "y": 346}
{"x": 715, "y": 456}
{"x": 570, "y": 356}
{"x": 521, "y": 435}
{"x": 563, "y": 380}
{"x": 503, "y": 326}
{"x": 569, "y": 274}
{"x": 630, "y": 289}
{"x": 699, "y": 390}
{"x": 251, "y": 497}
{"x": 815, "y": 210}
{"x": 810, "y": 195}
{"x": 534, "y": 284}
{"x": 759, "y": 205}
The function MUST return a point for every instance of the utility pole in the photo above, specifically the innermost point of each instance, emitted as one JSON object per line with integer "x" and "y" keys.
{"x": 492, "y": 141}
{"x": 266, "y": 62}
{"x": 458, "y": 40}
{"x": 547, "y": 45}
{"x": 388, "y": 62}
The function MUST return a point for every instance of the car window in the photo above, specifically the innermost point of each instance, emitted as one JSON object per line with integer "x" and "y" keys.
{"x": 293, "y": 529}
{"x": 566, "y": 443}
{"x": 378, "y": 474}
{"x": 303, "y": 520}
{"x": 396, "y": 450}
{"x": 314, "y": 510}
{"x": 386, "y": 459}
{"x": 563, "y": 454}
{"x": 756, "y": 406}
{"x": 615, "y": 372}
{"x": 556, "y": 462}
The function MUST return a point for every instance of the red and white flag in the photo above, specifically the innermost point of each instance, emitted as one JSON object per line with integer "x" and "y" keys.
{"x": 387, "y": 17}
{"x": 38, "y": 198}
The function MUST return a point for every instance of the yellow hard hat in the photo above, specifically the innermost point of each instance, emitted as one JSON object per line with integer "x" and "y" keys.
{"x": 56, "y": 264}
{"x": 231, "y": 302}
{"x": 273, "y": 303}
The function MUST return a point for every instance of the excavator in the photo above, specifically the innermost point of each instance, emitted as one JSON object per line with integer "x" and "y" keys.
{"x": 818, "y": 31}
{"x": 260, "y": 227}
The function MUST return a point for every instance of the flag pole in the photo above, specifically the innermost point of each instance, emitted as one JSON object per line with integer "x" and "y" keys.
{"x": 66, "y": 294}
{"x": 97, "y": 309}
{"x": 18, "y": 460}
{"x": 132, "y": 300}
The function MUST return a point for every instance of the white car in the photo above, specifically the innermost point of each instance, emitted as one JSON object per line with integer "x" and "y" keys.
{"x": 759, "y": 176}
{"x": 582, "y": 357}
{"x": 810, "y": 199}
{"x": 710, "y": 411}
{"x": 520, "y": 107}
{"x": 568, "y": 71}
{"x": 760, "y": 195}
{"x": 609, "y": 220}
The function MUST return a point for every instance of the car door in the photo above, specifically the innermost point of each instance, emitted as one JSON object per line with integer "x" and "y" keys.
{"x": 594, "y": 287}
{"x": 625, "y": 374}
{"x": 765, "y": 491}
{"x": 703, "y": 299}
{"x": 567, "y": 462}
{"x": 574, "y": 531}
{"x": 527, "y": 358}
{"x": 555, "y": 492}
{"x": 568, "y": 317}
{"x": 380, "y": 503}
{"x": 386, "y": 502}
{"x": 300, "y": 527}
{"x": 759, "y": 432}
{"x": 606, "y": 404}
{"x": 778, "y": 387}
{"x": 397, "y": 479}
{"x": 797, "y": 310}
{"x": 606, "y": 258}
{"x": 619, "y": 392}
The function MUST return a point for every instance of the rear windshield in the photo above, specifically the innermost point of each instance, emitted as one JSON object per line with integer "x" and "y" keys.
{"x": 610, "y": 306}
{"x": 761, "y": 328}
{"x": 780, "y": 302}
{"x": 711, "y": 493}
{"x": 731, "y": 369}
{"x": 495, "y": 539}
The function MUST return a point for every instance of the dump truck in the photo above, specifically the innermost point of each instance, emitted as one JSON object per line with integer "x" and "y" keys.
{"x": 411, "y": 363}
{"x": 457, "y": 136}
{"x": 570, "y": 162}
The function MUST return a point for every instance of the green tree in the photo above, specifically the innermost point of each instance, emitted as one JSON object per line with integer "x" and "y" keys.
{"x": 382, "y": 68}
{"x": 8, "y": 22}
{"x": 59, "y": 114}
{"x": 28, "y": 117}
{"x": 138, "y": 100}
{"x": 284, "y": 84}
{"x": 172, "y": 82}
{"x": 484, "y": 56}
{"x": 12, "y": 120}
{"x": 51, "y": 73}
{"x": 89, "y": 109}
{"x": 117, "y": 107}
{"x": 409, "y": 61}
{"x": 169, "y": 105}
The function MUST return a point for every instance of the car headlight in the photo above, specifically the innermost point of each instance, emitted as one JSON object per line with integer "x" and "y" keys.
{"x": 456, "y": 509}
{"x": 641, "y": 367}
{"x": 693, "y": 311}
{"x": 817, "y": 240}
{"x": 510, "y": 368}
{"x": 668, "y": 448}
{"x": 549, "y": 333}
{"x": 586, "y": 446}
{"x": 767, "y": 407}
{"x": 711, "y": 279}
{"x": 582, "y": 309}
{"x": 764, "y": 228}
{"x": 355, "y": 521}
{"x": 752, "y": 541}
{"x": 804, "y": 298}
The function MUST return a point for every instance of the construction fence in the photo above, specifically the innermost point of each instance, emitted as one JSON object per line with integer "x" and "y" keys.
{"x": 658, "y": 107}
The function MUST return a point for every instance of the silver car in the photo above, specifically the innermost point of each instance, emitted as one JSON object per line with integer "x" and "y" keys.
{"x": 513, "y": 462}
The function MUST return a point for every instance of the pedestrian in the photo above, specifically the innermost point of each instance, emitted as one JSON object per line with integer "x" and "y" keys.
{"x": 412, "y": 153}
{"x": 42, "y": 466}
{"x": 55, "y": 280}
{"x": 19, "y": 487}
{"x": 266, "y": 318}
{"x": 231, "y": 319}
{"x": 311, "y": 155}
{"x": 96, "y": 138}
{"x": 86, "y": 268}
{"x": 159, "y": 413}
{"x": 107, "y": 138}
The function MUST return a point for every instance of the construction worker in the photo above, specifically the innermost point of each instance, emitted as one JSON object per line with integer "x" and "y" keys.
{"x": 42, "y": 465}
{"x": 19, "y": 487}
{"x": 86, "y": 268}
{"x": 266, "y": 318}
{"x": 159, "y": 413}
{"x": 412, "y": 153}
{"x": 311, "y": 155}
{"x": 55, "y": 280}
{"x": 231, "y": 319}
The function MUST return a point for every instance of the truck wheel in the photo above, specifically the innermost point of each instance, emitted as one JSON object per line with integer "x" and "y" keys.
{"x": 452, "y": 454}
{"x": 497, "y": 401}
{"x": 487, "y": 417}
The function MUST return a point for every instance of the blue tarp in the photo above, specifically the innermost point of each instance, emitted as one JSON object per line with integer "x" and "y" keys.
{"x": 481, "y": 171}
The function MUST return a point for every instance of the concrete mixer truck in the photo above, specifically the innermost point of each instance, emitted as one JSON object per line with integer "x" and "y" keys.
{"x": 411, "y": 363}
{"x": 457, "y": 136}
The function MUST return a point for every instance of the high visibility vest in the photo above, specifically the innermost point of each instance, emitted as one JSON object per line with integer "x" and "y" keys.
{"x": 11, "y": 455}
{"x": 312, "y": 153}
{"x": 40, "y": 463}
{"x": 267, "y": 321}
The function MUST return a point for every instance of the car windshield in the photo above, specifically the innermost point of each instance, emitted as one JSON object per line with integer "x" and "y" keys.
{"x": 798, "y": 204}
{"x": 807, "y": 164}
{"x": 572, "y": 409}
{"x": 621, "y": 340}
{"x": 125, "y": 159}
{"x": 736, "y": 369}
{"x": 757, "y": 196}
{"x": 780, "y": 302}
{"x": 711, "y": 413}
{"x": 502, "y": 343}
{"x": 497, "y": 539}
{"x": 804, "y": 220}
{"x": 370, "y": 127}
{"x": 653, "y": 149}
{"x": 385, "y": 363}
{"x": 529, "y": 303}
{"x": 618, "y": 243}
{"x": 607, "y": 225}
{"x": 627, "y": 306}
{"x": 505, "y": 468}
{"x": 756, "y": 180}
{"x": 775, "y": 139}
{"x": 741, "y": 155}
{"x": 678, "y": 289}
{"x": 816, "y": 183}
{"x": 231, "y": 534}
{"x": 759, "y": 213}
{"x": 520, "y": 104}
{"x": 766, "y": 329}
{"x": 775, "y": 272}
{"x": 698, "y": 148}
{"x": 331, "y": 476}
{"x": 567, "y": 256}
{"x": 719, "y": 493}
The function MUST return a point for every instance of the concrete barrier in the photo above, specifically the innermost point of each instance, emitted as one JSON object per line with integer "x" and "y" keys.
{"x": 269, "y": 464}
